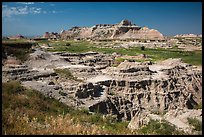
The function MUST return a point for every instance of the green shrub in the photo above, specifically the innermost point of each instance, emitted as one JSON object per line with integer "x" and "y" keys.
{"x": 20, "y": 50}
{"x": 155, "y": 127}
{"x": 199, "y": 106}
{"x": 175, "y": 47}
{"x": 96, "y": 118}
{"x": 111, "y": 93}
{"x": 195, "y": 123}
{"x": 68, "y": 44}
{"x": 142, "y": 48}
{"x": 85, "y": 111}
{"x": 12, "y": 87}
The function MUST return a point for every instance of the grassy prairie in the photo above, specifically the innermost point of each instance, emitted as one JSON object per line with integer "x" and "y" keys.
{"x": 157, "y": 54}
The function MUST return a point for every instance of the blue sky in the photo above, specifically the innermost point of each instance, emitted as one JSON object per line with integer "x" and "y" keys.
{"x": 35, "y": 18}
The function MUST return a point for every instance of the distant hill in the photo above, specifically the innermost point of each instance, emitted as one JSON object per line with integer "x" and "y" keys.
{"x": 124, "y": 30}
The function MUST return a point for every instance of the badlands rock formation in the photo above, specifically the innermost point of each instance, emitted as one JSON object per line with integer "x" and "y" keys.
{"x": 188, "y": 35}
{"x": 52, "y": 35}
{"x": 132, "y": 91}
{"x": 125, "y": 29}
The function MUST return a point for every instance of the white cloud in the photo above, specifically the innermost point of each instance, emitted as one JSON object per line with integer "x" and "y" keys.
{"x": 9, "y": 11}
{"x": 27, "y": 3}
{"x": 35, "y": 10}
{"x": 52, "y": 4}
{"x": 23, "y": 10}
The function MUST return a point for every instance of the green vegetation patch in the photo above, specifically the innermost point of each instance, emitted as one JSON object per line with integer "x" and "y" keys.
{"x": 17, "y": 102}
{"x": 66, "y": 74}
{"x": 195, "y": 123}
{"x": 157, "y": 128}
{"x": 199, "y": 106}
{"x": 117, "y": 61}
{"x": 117, "y": 127}
{"x": 70, "y": 46}
{"x": 20, "y": 50}
{"x": 156, "y": 54}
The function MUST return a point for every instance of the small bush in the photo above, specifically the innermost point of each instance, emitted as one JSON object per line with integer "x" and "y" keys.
{"x": 195, "y": 123}
{"x": 199, "y": 106}
{"x": 155, "y": 127}
{"x": 20, "y": 50}
{"x": 12, "y": 87}
{"x": 175, "y": 47}
{"x": 142, "y": 48}
{"x": 68, "y": 44}
{"x": 96, "y": 118}
{"x": 111, "y": 93}
{"x": 85, "y": 111}
{"x": 118, "y": 61}
{"x": 117, "y": 127}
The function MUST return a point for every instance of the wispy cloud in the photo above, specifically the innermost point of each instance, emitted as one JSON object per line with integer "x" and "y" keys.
{"x": 23, "y": 10}
{"x": 35, "y": 10}
{"x": 9, "y": 11}
{"x": 27, "y": 3}
{"x": 54, "y": 11}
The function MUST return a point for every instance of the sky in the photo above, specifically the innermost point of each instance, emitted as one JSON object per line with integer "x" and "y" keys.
{"x": 36, "y": 18}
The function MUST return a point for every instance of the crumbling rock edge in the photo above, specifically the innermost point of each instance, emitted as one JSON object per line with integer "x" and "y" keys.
{"x": 133, "y": 91}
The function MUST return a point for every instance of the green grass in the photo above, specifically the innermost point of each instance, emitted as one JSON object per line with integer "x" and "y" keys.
{"x": 157, "y": 128}
{"x": 199, "y": 106}
{"x": 18, "y": 49}
{"x": 18, "y": 102}
{"x": 116, "y": 126}
{"x": 195, "y": 123}
{"x": 39, "y": 102}
{"x": 157, "y": 54}
{"x": 75, "y": 47}
{"x": 117, "y": 61}
{"x": 66, "y": 74}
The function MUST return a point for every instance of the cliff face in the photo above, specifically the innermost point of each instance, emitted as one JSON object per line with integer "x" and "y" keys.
{"x": 124, "y": 30}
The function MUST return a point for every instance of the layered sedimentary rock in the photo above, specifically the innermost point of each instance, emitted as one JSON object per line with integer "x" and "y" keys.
{"x": 188, "y": 35}
{"x": 16, "y": 37}
{"x": 131, "y": 91}
{"x": 156, "y": 87}
{"x": 124, "y": 30}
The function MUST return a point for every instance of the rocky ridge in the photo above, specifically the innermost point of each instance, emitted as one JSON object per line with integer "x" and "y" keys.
{"x": 124, "y": 30}
{"x": 132, "y": 91}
